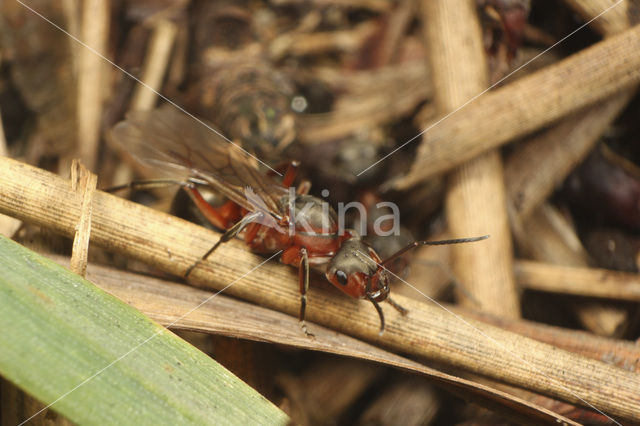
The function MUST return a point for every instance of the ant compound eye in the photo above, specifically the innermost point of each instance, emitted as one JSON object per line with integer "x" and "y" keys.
{"x": 342, "y": 277}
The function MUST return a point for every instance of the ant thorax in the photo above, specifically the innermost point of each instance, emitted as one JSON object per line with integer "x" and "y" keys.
{"x": 310, "y": 216}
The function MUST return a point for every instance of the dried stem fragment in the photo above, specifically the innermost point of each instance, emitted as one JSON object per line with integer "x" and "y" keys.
{"x": 91, "y": 78}
{"x": 475, "y": 201}
{"x": 83, "y": 181}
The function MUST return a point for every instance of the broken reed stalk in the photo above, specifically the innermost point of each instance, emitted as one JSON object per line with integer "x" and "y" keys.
{"x": 588, "y": 282}
{"x": 83, "y": 181}
{"x": 548, "y": 237}
{"x": 615, "y": 20}
{"x": 492, "y": 119}
{"x": 155, "y": 65}
{"x": 428, "y": 331}
{"x": 92, "y": 78}
{"x": 475, "y": 199}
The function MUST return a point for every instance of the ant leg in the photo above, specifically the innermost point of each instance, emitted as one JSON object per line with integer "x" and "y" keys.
{"x": 208, "y": 211}
{"x": 303, "y": 276}
{"x": 251, "y": 232}
{"x": 228, "y": 235}
{"x": 290, "y": 174}
{"x": 400, "y": 309}
{"x": 299, "y": 256}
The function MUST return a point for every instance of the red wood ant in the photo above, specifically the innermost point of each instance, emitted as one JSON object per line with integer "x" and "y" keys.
{"x": 272, "y": 216}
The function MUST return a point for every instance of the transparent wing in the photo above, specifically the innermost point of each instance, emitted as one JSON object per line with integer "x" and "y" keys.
{"x": 167, "y": 140}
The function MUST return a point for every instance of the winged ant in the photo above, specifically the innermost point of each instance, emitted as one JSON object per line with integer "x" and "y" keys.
{"x": 271, "y": 216}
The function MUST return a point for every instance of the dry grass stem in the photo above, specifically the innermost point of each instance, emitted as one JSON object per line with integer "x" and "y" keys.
{"x": 321, "y": 42}
{"x": 575, "y": 413}
{"x": 475, "y": 200}
{"x": 403, "y": 87}
{"x": 84, "y": 182}
{"x": 373, "y": 5}
{"x": 8, "y": 225}
{"x": 616, "y": 20}
{"x": 529, "y": 103}
{"x": 399, "y": 20}
{"x": 476, "y": 205}
{"x": 91, "y": 78}
{"x": 428, "y": 331}
{"x": 621, "y": 353}
{"x": 155, "y": 65}
{"x": 72, "y": 11}
{"x": 178, "y": 64}
{"x": 412, "y": 73}
{"x": 556, "y": 242}
{"x": 538, "y": 166}
{"x": 144, "y": 98}
{"x": 4, "y": 151}
{"x": 589, "y": 282}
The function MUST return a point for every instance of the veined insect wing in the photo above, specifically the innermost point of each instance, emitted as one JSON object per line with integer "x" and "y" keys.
{"x": 168, "y": 140}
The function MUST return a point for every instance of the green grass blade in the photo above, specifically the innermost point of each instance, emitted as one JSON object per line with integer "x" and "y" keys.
{"x": 57, "y": 330}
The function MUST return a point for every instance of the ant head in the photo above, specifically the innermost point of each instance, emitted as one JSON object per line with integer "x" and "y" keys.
{"x": 354, "y": 270}
{"x": 357, "y": 270}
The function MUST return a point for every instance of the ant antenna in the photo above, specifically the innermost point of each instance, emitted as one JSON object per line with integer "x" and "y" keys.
{"x": 400, "y": 309}
{"x": 431, "y": 243}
